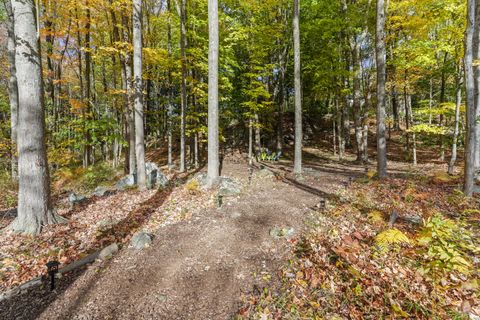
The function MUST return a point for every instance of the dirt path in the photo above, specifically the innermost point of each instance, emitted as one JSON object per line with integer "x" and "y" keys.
{"x": 199, "y": 269}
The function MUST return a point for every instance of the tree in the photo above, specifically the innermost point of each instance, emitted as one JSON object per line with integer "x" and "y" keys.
{"x": 381, "y": 78}
{"x": 471, "y": 42}
{"x": 298, "y": 89}
{"x": 34, "y": 204}
{"x": 12, "y": 86}
{"x": 213, "y": 48}
{"x": 138, "y": 97}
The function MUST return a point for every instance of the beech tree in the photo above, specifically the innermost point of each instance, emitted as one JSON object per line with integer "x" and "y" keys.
{"x": 471, "y": 85}
{"x": 297, "y": 167}
{"x": 138, "y": 97}
{"x": 34, "y": 203}
{"x": 381, "y": 78}
{"x": 213, "y": 50}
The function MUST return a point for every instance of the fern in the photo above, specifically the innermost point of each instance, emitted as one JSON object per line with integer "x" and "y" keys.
{"x": 391, "y": 238}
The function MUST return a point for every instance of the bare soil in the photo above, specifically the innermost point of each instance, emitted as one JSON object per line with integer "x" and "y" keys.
{"x": 199, "y": 268}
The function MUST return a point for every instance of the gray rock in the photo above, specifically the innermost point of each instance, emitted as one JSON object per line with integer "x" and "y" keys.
{"x": 229, "y": 187}
{"x": 476, "y": 188}
{"x": 155, "y": 177}
{"x": 127, "y": 181}
{"x": 108, "y": 252}
{"x": 141, "y": 240}
{"x": 201, "y": 178}
{"x": 265, "y": 174}
{"x": 414, "y": 219}
{"x": 74, "y": 198}
{"x": 279, "y": 233}
{"x": 101, "y": 192}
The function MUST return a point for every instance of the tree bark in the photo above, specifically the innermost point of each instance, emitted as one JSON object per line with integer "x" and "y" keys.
{"x": 138, "y": 95}
{"x": 381, "y": 78}
{"x": 12, "y": 88}
{"x": 469, "y": 169}
{"x": 453, "y": 159}
{"x": 213, "y": 47}
{"x": 34, "y": 203}
{"x": 297, "y": 163}
{"x": 181, "y": 8}
{"x": 132, "y": 158}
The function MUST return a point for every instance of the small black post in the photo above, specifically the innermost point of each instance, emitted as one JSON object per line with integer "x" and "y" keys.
{"x": 323, "y": 204}
{"x": 52, "y": 269}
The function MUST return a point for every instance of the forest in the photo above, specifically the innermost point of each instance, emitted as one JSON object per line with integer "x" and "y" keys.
{"x": 239, "y": 159}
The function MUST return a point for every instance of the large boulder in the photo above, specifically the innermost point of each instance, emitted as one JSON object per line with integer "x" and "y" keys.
{"x": 141, "y": 240}
{"x": 125, "y": 182}
{"x": 229, "y": 187}
{"x": 155, "y": 177}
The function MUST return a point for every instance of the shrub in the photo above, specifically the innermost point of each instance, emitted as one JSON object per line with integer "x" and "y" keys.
{"x": 446, "y": 246}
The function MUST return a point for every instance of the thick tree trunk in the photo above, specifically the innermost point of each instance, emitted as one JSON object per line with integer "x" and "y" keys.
{"x": 138, "y": 95}
{"x": 381, "y": 78}
{"x": 34, "y": 204}
{"x": 213, "y": 47}
{"x": 470, "y": 140}
{"x": 297, "y": 163}
{"x": 250, "y": 141}
{"x": 12, "y": 89}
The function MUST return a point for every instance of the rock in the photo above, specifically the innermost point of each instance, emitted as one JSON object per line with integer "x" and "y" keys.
{"x": 155, "y": 177}
{"x": 279, "y": 233}
{"x": 476, "y": 188}
{"x": 141, "y": 240}
{"x": 229, "y": 187}
{"x": 414, "y": 219}
{"x": 127, "y": 181}
{"x": 108, "y": 252}
{"x": 101, "y": 192}
{"x": 10, "y": 213}
{"x": 201, "y": 178}
{"x": 74, "y": 198}
{"x": 264, "y": 174}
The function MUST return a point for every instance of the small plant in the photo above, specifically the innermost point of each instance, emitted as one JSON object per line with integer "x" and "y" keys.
{"x": 445, "y": 246}
{"x": 391, "y": 238}
{"x": 193, "y": 186}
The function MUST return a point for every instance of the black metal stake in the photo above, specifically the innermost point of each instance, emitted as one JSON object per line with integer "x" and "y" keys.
{"x": 52, "y": 269}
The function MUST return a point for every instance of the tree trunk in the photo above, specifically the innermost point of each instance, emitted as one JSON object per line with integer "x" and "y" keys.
{"x": 213, "y": 47}
{"x": 470, "y": 43}
{"x": 258, "y": 138}
{"x": 381, "y": 78}
{"x": 297, "y": 163}
{"x": 357, "y": 112}
{"x": 12, "y": 89}
{"x": 181, "y": 8}
{"x": 138, "y": 95}
{"x": 34, "y": 203}
{"x": 453, "y": 159}
{"x": 128, "y": 97}
{"x": 170, "y": 95}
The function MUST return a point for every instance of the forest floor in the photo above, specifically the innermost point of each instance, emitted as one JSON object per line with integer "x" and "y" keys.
{"x": 240, "y": 260}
